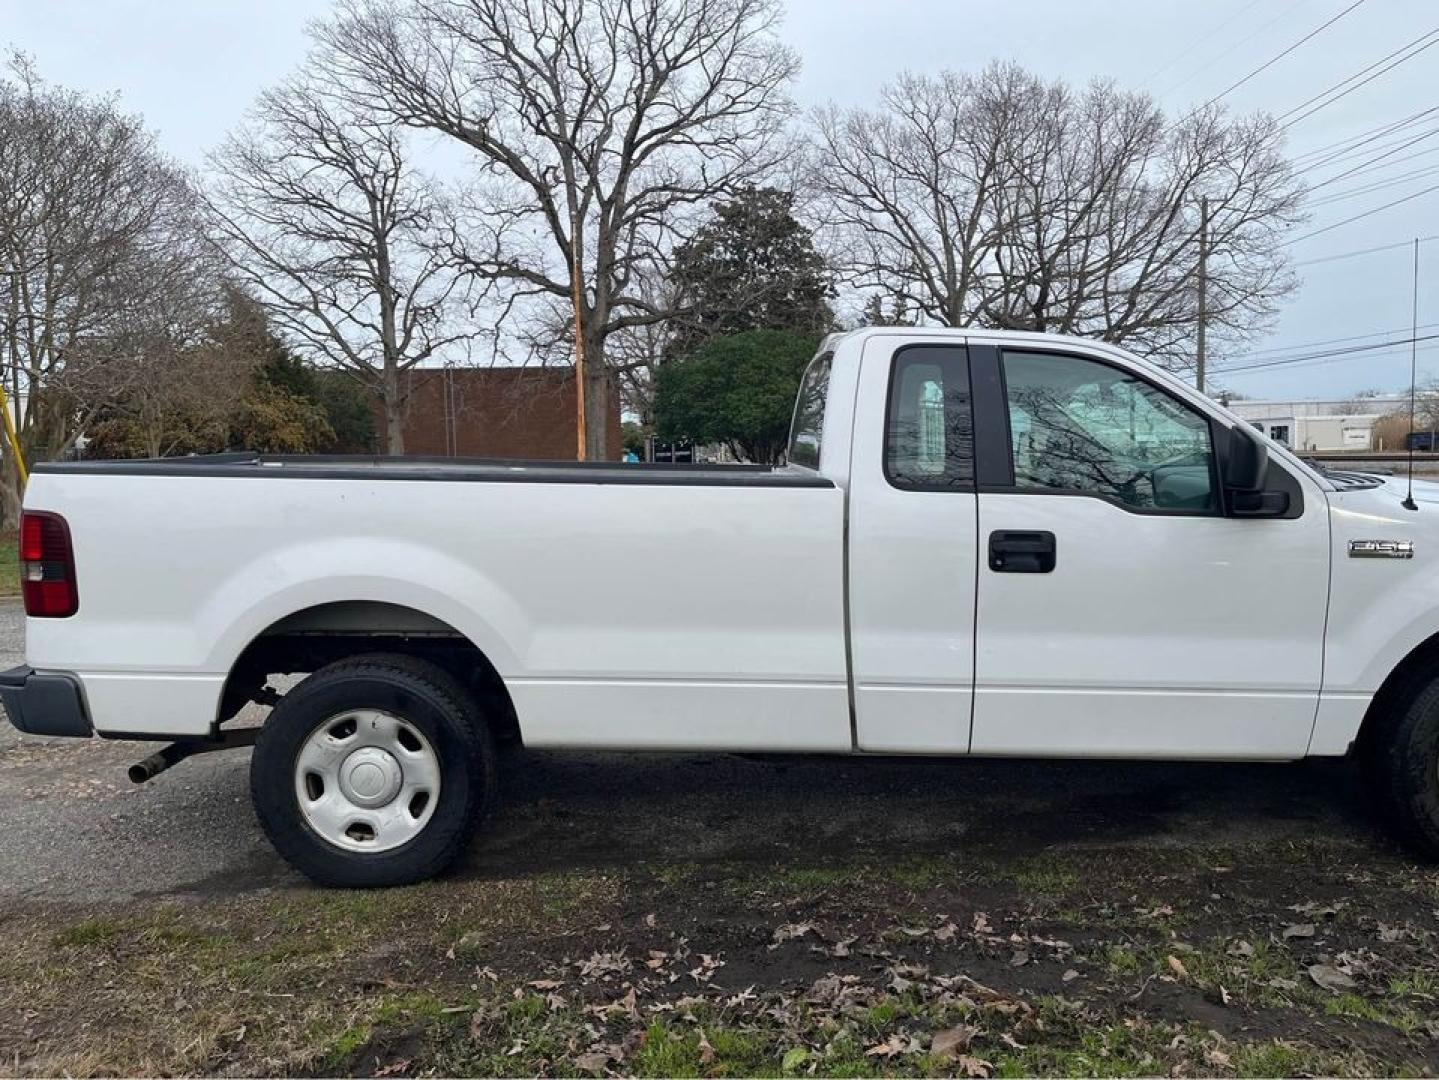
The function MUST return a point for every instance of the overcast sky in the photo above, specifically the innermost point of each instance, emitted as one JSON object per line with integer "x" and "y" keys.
{"x": 192, "y": 67}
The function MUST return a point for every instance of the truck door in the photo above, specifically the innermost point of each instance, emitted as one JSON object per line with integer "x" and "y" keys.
{"x": 912, "y": 549}
{"x": 1120, "y": 611}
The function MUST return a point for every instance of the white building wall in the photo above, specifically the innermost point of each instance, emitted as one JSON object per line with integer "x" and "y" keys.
{"x": 1316, "y": 433}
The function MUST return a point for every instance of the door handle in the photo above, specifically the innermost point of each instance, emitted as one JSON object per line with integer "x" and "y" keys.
{"x": 1021, "y": 552}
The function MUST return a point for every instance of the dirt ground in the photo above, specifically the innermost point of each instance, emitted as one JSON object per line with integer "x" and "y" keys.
{"x": 720, "y": 916}
{"x": 715, "y": 915}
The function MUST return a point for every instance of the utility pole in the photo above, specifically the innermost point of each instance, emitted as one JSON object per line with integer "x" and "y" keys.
{"x": 575, "y": 267}
{"x": 1203, "y": 289}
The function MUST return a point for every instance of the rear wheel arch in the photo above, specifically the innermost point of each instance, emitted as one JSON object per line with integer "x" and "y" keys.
{"x": 314, "y": 637}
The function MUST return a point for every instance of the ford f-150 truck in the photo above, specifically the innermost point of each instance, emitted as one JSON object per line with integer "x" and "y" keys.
{"x": 983, "y": 543}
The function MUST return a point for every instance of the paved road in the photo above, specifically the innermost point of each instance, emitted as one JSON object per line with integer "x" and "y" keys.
{"x": 75, "y": 830}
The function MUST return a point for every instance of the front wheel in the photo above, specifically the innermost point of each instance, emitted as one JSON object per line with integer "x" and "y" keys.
{"x": 373, "y": 772}
{"x": 1401, "y": 760}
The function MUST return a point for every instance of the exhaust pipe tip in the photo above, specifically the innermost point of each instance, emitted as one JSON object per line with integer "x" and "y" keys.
{"x": 148, "y": 769}
{"x": 177, "y": 752}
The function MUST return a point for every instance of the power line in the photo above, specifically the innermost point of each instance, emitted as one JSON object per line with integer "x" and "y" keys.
{"x": 1432, "y": 39}
{"x": 1330, "y": 360}
{"x": 1377, "y": 152}
{"x": 1366, "y": 166}
{"x": 1376, "y": 185}
{"x": 1361, "y": 251}
{"x": 1307, "y": 345}
{"x": 1233, "y": 48}
{"x": 1375, "y": 167}
{"x": 1365, "y": 214}
{"x": 1202, "y": 41}
{"x": 1328, "y": 355}
{"x": 1351, "y": 144}
{"x": 1275, "y": 59}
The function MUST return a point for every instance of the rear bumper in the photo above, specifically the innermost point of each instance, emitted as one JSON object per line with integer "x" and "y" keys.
{"x": 44, "y": 704}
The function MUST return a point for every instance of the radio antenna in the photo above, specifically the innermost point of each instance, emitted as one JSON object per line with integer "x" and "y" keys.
{"x": 1409, "y": 503}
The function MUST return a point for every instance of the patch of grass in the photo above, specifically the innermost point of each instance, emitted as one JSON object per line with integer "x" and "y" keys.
{"x": 9, "y": 564}
{"x": 1417, "y": 984}
{"x": 417, "y": 1007}
{"x": 1120, "y": 959}
{"x": 883, "y": 1013}
{"x": 90, "y": 932}
{"x": 1270, "y": 1059}
{"x": 527, "y": 1008}
{"x": 667, "y": 1053}
{"x": 676, "y": 875}
{"x": 1390, "y": 1013}
{"x": 346, "y": 1044}
{"x": 1045, "y": 879}
{"x": 919, "y": 872}
{"x": 741, "y": 1053}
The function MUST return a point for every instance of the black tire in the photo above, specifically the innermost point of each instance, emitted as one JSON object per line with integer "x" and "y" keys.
{"x": 426, "y": 697}
{"x": 1400, "y": 758}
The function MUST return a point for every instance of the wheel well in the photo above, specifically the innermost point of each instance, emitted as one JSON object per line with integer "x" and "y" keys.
{"x": 307, "y": 640}
{"x": 1416, "y": 669}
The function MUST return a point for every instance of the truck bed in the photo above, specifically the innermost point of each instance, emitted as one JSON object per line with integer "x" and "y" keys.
{"x": 475, "y": 470}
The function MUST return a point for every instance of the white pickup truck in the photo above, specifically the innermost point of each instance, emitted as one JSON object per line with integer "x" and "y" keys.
{"x": 984, "y": 543}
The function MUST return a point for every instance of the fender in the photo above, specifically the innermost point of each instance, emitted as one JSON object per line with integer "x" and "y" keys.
{"x": 305, "y": 575}
{"x": 1380, "y": 610}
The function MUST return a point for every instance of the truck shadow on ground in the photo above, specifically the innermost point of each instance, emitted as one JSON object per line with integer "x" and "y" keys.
{"x": 566, "y": 810}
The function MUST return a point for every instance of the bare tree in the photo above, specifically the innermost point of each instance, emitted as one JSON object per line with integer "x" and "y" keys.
{"x": 1359, "y": 403}
{"x": 598, "y": 126}
{"x": 160, "y": 374}
{"x": 94, "y": 224}
{"x": 329, "y": 228}
{"x": 1002, "y": 199}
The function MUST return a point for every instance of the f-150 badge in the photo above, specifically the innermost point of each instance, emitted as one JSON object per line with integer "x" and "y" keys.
{"x": 1381, "y": 549}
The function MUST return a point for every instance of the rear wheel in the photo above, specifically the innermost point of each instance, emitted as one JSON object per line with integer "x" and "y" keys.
{"x": 1401, "y": 760}
{"x": 373, "y": 771}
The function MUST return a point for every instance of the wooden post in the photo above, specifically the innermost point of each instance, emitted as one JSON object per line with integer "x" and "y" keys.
{"x": 14, "y": 440}
{"x": 1203, "y": 290}
{"x": 575, "y": 269}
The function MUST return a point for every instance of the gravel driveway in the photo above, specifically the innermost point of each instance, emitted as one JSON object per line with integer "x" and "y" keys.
{"x": 78, "y": 832}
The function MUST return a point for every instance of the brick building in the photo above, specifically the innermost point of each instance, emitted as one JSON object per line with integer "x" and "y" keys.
{"x": 495, "y": 412}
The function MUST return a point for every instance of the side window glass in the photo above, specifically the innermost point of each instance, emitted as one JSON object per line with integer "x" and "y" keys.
{"x": 929, "y": 427}
{"x": 1081, "y": 426}
{"x": 807, "y": 428}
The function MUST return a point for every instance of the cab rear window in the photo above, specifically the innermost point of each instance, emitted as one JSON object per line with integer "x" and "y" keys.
{"x": 807, "y": 429}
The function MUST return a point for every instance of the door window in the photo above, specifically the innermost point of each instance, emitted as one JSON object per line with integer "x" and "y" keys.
{"x": 1079, "y": 426}
{"x": 929, "y": 427}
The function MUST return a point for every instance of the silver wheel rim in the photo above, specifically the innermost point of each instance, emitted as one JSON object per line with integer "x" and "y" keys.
{"x": 367, "y": 780}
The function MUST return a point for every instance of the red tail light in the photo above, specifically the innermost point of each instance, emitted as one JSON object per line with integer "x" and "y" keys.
{"x": 47, "y": 566}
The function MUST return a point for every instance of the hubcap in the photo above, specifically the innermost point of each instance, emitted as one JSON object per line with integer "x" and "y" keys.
{"x": 371, "y": 777}
{"x": 367, "y": 780}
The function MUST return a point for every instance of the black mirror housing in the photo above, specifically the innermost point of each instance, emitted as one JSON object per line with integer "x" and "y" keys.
{"x": 1258, "y": 503}
{"x": 1247, "y": 462}
{"x": 1246, "y": 468}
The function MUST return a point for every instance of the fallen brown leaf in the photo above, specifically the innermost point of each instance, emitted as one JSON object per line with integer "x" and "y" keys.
{"x": 1330, "y": 978}
{"x": 951, "y": 1042}
{"x": 592, "y": 1062}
